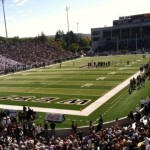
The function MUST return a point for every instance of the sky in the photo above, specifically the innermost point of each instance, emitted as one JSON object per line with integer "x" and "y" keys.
{"x": 29, "y": 18}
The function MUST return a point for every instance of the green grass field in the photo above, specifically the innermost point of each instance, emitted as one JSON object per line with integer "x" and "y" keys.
{"x": 73, "y": 80}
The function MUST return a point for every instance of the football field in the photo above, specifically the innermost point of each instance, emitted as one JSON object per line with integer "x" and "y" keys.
{"x": 74, "y": 85}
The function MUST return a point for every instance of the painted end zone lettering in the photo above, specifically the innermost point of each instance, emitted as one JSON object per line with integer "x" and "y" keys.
{"x": 54, "y": 117}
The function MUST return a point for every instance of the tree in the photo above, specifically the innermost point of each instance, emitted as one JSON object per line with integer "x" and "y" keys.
{"x": 74, "y": 47}
{"x": 84, "y": 42}
{"x": 72, "y": 37}
{"x": 72, "y": 41}
{"x": 42, "y": 37}
{"x": 59, "y": 35}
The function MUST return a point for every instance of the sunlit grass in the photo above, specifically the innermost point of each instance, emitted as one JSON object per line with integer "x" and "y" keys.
{"x": 72, "y": 81}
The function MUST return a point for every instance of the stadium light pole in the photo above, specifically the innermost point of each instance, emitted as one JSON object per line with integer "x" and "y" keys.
{"x": 5, "y": 27}
{"x": 4, "y": 18}
{"x": 67, "y": 8}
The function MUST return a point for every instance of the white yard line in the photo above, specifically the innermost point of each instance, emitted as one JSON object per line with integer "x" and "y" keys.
{"x": 85, "y": 112}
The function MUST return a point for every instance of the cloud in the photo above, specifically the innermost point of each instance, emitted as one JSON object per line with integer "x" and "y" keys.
{"x": 94, "y": 16}
{"x": 104, "y": 13}
{"x": 20, "y": 2}
{"x": 34, "y": 26}
{"x": 11, "y": 5}
{"x": 24, "y": 13}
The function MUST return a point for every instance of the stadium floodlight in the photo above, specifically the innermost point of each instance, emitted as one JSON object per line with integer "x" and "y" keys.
{"x": 4, "y": 18}
{"x": 67, "y": 8}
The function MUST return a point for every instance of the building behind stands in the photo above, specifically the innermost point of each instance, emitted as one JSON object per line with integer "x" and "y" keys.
{"x": 128, "y": 33}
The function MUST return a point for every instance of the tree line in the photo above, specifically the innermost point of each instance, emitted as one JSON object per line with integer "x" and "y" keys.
{"x": 70, "y": 41}
{"x": 73, "y": 42}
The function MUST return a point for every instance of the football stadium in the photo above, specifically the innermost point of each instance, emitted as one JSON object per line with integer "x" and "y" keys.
{"x": 73, "y": 88}
{"x": 55, "y": 98}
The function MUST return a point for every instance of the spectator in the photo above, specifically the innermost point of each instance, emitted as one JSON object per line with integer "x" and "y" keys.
{"x": 74, "y": 127}
{"x": 137, "y": 108}
{"x": 38, "y": 130}
{"x": 91, "y": 127}
{"x": 52, "y": 126}
{"x": 131, "y": 117}
{"x": 138, "y": 116}
{"x": 148, "y": 145}
{"x": 100, "y": 120}
{"x": 100, "y": 123}
{"x": 117, "y": 123}
{"x": 24, "y": 108}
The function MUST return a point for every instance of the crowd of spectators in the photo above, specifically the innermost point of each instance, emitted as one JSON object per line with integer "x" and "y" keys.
{"x": 23, "y": 134}
{"x": 7, "y": 63}
{"x": 139, "y": 81}
{"x": 32, "y": 53}
{"x": 123, "y": 46}
{"x": 26, "y": 135}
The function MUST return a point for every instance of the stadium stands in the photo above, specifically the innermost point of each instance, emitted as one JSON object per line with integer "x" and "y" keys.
{"x": 26, "y": 55}
{"x": 128, "y": 34}
{"x": 26, "y": 135}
